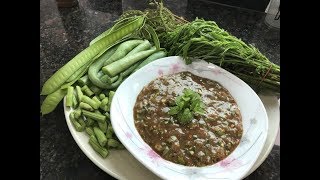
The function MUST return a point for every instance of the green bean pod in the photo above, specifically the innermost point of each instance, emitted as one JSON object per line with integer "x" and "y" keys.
{"x": 107, "y": 115}
{"x": 78, "y": 72}
{"x": 111, "y": 94}
{"x": 96, "y": 90}
{"x": 86, "y": 90}
{"x": 103, "y": 126}
{"x": 60, "y": 77}
{"x": 82, "y": 123}
{"x": 113, "y": 143}
{"x": 77, "y": 113}
{"x": 145, "y": 45}
{"x": 102, "y": 96}
{"x": 124, "y": 63}
{"x": 96, "y": 99}
{"x": 90, "y": 101}
{"x": 109, "y": 132}
{"x": 95, "y": 116}
{"x": 123, "y": 50}
{"x": 104, "y": 101}
{"x": 89, "y": 131}
{"x": 107, "y": 79}
{"x": 128, "y": 71}
{"x": 96, "y": 146}
{"x": 89, "y": 121}
{"x": 69, "y": 97}
{"x": 100, "y": 136}
{"x": 52, "y": 100}
{"x": 85, "y": 106}
{"x": 95, "y": 67}
{"x": 115, "y": 27}
{"x": 84, "y": 81}
{"x": 79, "y": 93}
{"x": 151, "y": 58}
{"x": 75, "y": 123}
{"x": 74, "y": 101}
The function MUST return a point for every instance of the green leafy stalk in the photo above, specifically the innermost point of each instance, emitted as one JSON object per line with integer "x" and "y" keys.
{"x": 205, "y": 40}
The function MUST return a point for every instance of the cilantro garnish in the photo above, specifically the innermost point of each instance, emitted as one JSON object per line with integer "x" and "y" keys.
{"x": 186, "y": 106}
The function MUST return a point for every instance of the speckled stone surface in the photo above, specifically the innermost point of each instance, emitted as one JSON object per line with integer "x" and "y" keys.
{"x": 65, "y": 32}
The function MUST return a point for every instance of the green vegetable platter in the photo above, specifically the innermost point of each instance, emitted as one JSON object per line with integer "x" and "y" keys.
{"x": 86, "y": 84}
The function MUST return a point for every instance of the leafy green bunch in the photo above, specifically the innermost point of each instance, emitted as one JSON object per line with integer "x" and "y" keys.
{"x": 186, "y": 106}
{"x": 205, "y": 40}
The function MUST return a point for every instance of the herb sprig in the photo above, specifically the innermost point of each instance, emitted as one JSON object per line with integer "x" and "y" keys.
{"x": 186, "y": 106}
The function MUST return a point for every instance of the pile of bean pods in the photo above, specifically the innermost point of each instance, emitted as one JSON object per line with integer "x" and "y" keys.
{"x": 90, "y": 79}
{"x": 90, "y": 113}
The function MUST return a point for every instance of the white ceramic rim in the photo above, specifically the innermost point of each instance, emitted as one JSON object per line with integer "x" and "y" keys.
{"x": 154, "y": 170}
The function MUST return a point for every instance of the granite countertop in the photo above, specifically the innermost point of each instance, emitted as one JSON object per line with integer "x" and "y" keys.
{"x": 65, "y": 32}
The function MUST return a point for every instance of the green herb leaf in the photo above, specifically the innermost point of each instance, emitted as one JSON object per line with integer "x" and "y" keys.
{"x": 180, "y": 102}
{"x": 199, "y": 110}
{"x": 187, "y": 105}
{"x": 185, "y": 116}
{"x": 186, "y": 98}
{"x": 174, "y": 110}
{"x": 194, "y": 103}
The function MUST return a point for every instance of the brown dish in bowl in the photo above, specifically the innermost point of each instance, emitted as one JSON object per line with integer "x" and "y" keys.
{"x": 207, "y": 139}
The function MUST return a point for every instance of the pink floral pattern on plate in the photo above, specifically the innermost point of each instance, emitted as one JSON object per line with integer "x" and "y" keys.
{"x": 129, "y": 135}
{"x": 230, "y": 163}
{"x": 160, "y": 72}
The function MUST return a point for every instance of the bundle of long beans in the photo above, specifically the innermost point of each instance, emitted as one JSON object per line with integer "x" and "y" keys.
{"x": 205, "y": 40}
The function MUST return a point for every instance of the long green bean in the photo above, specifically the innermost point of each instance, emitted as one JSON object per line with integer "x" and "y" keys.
{"x": 103, "y": 126}
{"x": 90, "y": 101}
{"x": 109, "y": 131}
{"x": 75, "y": 123}
{"x": 78, "y": 72}
{"x": 96, "y": 146}
{"x": 94, "y": 116}
{"x": 104, "y": 101}
{"x": 111, "y": 94}
{"x": 107, "y": 115}
{"x": 79, "y": 93}
{"x": 96, "y": 90}
{"x": 77, "y": 113}
{"x": 89, "y": 121}
{"x": 113, "y": 143}
{"x": 124, "y": 63}
{"x": 151, "y": 58}
{"x": 95, "y": 67}
{"x": 52, "y": 100}
{"x": 107, "y": 79}
{"x": 59, "y": 77}
{"x": 102, "y": 96}
{"x": 74, "y": 101}
{"x": 86, "y": 106}
{"x": 115, "y": 27}
{"x": 145, "y": 45}
{"x": 81, "y": 122}
{"x": 84, "y": 81}
{"x": 100, "y": 136}
{"x": 69, "y": 97}
{"x": 96, "y": 99}
{"x": 87, "y": 90}
{"x": 89, "y": 131}
{"x": 123, "y": 50}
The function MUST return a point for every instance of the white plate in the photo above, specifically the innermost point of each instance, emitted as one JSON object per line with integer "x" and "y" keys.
{"x": 234, "y": 166}
{"x": 122, "y": 165}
